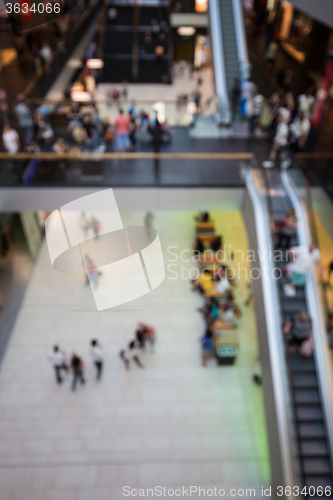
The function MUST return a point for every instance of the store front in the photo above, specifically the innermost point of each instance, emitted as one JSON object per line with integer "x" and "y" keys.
{"x": 190, "y": 38}
{"x": 303, "y": 37}
{"x": 193, "y": 46}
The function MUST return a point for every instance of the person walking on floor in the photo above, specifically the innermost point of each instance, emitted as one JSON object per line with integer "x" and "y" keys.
{"x": 131, "y": 353}
{"x": 78, "y": 371}
{"x": 207, "y": 346}
{"x": 92, "y": 276}
{"x": 121, "y": 124}
{"x": 25, "y": 119}
{"x": 58, "y": 359}
{"x": 97, "y": 357}
{"x": 145, "y": 334}
{"x": 149, "y": 220}
{"x": 95, "y": 226}
{"x": 10, "y": 139}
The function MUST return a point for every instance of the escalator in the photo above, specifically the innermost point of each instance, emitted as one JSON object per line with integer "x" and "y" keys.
{"x": 229, "y": 49}
{"x": 231, "y": 62}
{"x": 301, "y": 393}
{"x": 314, "y": 450}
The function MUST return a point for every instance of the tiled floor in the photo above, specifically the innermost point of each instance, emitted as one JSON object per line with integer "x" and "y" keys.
{"x": 172, "y": 424}
{"x": 148, "y": 94}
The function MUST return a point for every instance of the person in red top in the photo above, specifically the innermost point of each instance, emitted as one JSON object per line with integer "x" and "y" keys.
{"x": 145, "y": 334}
{"x": 122, "y": 125}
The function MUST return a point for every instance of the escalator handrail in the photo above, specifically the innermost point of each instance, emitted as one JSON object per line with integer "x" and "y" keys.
{"x": 321, "y": 353}
{"x": 240, "y": 31}
{"x": 218, "y": 58}
{"x": 315, "y": 239}
{"x": 274, "y": 327}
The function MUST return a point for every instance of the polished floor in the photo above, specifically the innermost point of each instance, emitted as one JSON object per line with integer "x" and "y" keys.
{"x": 172, "y": 423}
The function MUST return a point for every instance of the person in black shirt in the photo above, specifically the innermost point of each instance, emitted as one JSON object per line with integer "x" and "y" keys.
{"x": 90, "y": 129}
{"x": 78, "y": 371}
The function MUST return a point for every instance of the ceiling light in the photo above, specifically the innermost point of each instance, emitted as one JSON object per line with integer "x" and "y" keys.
{"x": 186, "y": 31}
{"x": 95, "y": 63}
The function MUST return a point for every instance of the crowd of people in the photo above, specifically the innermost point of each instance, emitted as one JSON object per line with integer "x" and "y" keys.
{"x": 35, "y": 47}
{"x": 144, "y": 335}
{"x": 218, "y": 278}
{"x": 61, "y": 364}
{"x": 282, "y": 116}
{"x": 299, "y": 261}
{"x": 85, "y": 129}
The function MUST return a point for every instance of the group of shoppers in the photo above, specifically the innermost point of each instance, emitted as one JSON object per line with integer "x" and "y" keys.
{"x": 217, "y": 278}
{"x": 86, "y": 130}
{"x": 76, "y": 365}
{"x": 291, "y": 123}
{"x": 299, "y": 261}
{"x": 33, "y": 124}
{"x": 145, "y": 334}
{"x": 287, "y": 118}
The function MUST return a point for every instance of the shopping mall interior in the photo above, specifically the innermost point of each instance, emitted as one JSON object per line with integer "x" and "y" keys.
{"x": 166, "y": 249}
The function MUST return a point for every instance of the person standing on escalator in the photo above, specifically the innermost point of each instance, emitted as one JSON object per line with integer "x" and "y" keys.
{"x": 287, "y": 228}
{"x": 299, "y": 333}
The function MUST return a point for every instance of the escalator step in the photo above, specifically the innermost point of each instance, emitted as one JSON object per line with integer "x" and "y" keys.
{"x": 300, "y": 364}
{"x": 311, "y": 430}
{"x": 306, "y": 396}
{"x": 316, "y": 465}
{"x": 313, "y": 480}
{"x": 303, "y": 380}
{"x": 281, "y": 264}
{"x": 292, "y": 306}
{"x": 309, "y": 413}
{"x": 314, "y": 447}
{"x": 300, "y": 296}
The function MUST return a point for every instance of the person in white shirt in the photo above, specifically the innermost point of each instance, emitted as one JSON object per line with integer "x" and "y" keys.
{"x": 97, "y": 357}
{"x": 302, "y": 259}
{"x": 248, "y": 90}
{"x": 300, "y": 129}
{"x": 284, "y": 114}
{"x": 10, "y": 139}
{"x": 280, "y": 141}
{"x": 306, "y": 103}
{"x": 257, "y": 103}
{"x": 58, "y": 360}
{"x": 46, "y": 52}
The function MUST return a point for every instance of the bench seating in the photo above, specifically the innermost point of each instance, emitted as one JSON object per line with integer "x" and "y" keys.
{"x": 205, "y": 228}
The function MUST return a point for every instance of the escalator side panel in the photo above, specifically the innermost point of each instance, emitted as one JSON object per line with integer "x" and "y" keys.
{"x": 274, "y": 436}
